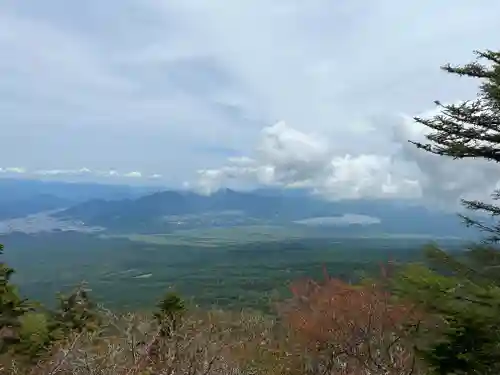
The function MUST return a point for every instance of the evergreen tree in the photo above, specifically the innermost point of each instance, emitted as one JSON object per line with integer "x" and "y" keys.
{"x": 76, "y": 312}
{"x": 462, "y": 335}
{"x": 466, "y": 301}
{"x": 170, "y": 311}
{"x": 12, "y": 308}
{"x": 471, "y": 129}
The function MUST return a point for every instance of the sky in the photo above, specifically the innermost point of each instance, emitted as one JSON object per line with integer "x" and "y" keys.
{"x": 205, "y": 94}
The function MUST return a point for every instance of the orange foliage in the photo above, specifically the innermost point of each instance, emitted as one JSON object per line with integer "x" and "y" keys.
{"x": 346, "y": 329}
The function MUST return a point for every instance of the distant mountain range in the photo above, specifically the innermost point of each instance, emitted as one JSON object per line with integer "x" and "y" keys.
{"x": 21, "y": 197}
{"x": 26, "y": 206}
{"x": 171, "y": 210}
{"x": 18, "y": 189}
{"x": 126, "y": 209}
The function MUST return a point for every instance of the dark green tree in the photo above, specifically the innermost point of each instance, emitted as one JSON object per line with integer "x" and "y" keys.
{"x": 462, "y": 335}
{"x": 12, "y": 308}
{"x": 471, "y": 129}
{"x": 171, "y": 308}
{"x": 464, "y": 293}
{"x": 75, "y": 313}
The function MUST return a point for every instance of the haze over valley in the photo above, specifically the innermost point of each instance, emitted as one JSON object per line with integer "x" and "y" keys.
{"x": 233, "y": 247}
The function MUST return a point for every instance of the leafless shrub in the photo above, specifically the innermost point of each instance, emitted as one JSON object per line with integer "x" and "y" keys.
{"x": 204, "y": 344}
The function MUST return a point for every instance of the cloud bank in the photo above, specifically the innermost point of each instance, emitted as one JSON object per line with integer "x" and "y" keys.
{"x": 82, "y": 172}
{"x": 160, "y": 87}
{"x": 287, "y": 158}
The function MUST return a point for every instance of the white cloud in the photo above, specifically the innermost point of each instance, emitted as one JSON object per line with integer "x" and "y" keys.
{"x": 134, "y": 174}
{"x": 15, "y": 170}
{"x": 444, "y": 180}
{"x": 288, "y": 158}
{"x": 81, "y": 172}
{"x": 56, "y": 172}
{"x": 162, "y": 87}
{"x": 112, "y": 173}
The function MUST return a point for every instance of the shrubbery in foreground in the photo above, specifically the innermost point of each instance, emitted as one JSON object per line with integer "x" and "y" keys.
{"x": 413, "y": 322}
{"x": 325, "y": 328}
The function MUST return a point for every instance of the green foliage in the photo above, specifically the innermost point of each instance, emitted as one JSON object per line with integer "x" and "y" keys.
{"x": 12, "y": 308}
{"x": 171, "y": 308}
{"x": 171, "y": 305}
{"x": 479, "y": 264}
{"x": 75, "y": 313}
{"x": 469, "y": 345}
{"x": 39, "y": 330}
{"x": 469, "y": 333}
{"x": 471, "y": 129}
{"x": 34, "y": 335}
{"x": 465, "y": 335}
{"x": 463, "y": 292}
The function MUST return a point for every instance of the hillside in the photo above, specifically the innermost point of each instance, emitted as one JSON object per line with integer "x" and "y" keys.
{"x": 23, "y": 197}
{"x": 167, "y": 211}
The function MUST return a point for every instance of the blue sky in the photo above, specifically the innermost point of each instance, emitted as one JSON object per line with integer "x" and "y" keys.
{"x": 190, "y": 91}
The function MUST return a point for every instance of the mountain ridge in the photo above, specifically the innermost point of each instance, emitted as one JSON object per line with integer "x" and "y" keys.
{"x": 168, "y": 210}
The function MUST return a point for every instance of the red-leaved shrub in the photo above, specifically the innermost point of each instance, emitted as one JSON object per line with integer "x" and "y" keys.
{"x": 352, "y": 329}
